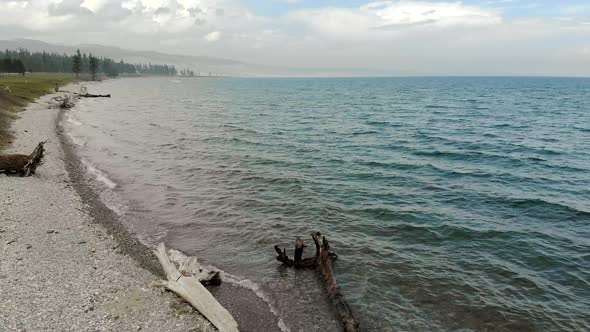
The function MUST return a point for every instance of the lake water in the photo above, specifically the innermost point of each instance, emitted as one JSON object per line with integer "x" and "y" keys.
{"x": 453, "y": 203}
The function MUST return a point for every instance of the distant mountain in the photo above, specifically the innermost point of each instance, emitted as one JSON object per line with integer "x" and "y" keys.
{"x": 201, "y": 64}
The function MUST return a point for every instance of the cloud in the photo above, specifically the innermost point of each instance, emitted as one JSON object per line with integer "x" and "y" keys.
{"x": 364, "y": 21}
{"x": 67, "y": 8}
{"x": 213, "y": 36}
{"x": 385, "y": 37}
{"x": 93, "y": 5}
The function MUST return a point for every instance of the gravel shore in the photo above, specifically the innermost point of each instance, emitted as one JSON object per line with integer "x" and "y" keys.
{"x": 60, "y": 270}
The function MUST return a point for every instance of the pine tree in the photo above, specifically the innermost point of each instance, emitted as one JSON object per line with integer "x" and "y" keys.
{"x": 84, "y": 64}
{"x": 19, "y": 67}
{"x": 76, "y": 62}
{"x": 92, "y": 66}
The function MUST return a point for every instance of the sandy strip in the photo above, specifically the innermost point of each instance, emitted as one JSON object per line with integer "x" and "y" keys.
{"x": 59, "y": 269}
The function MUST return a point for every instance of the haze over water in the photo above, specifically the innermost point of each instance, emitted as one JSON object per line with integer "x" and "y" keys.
{"x": 452, "y": 202}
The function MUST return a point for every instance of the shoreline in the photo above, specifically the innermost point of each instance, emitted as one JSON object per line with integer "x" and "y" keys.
{"x": 66, "y": 263}
{"x": 100, "y": 213}
{"x": 249, "y": 309}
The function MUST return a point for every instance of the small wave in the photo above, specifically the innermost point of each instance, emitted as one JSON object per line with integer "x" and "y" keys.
{"x": 582, "y": 128}
{"x": 403, "y": 166}
{"x": 538, "y": 202}
{"x": 74, "y": 122}
{"x": 75, "y": 140}
{"x": 99, "y": 175}
{"x": 475, "y": 155}
{"x": 256, "y": 289}
{"x": 543, "y": 151}
{"x": 368, "y": 132}
{"x": 240, "y": 129}
{"x": 535, "y": 159}
{"x": 502, "y": 125}
{"x": 449, "y": 154}
{"x": 378, "y": 123}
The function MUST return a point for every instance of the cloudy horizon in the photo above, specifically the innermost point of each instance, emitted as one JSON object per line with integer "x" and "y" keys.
{"x": 505, "y": 37}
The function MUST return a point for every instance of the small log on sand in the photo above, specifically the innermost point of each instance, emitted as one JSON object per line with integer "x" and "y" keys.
{"x": 89, "y": 95}
{"x": 186, "y": 283}
{"x": 323, "y": 263}
{"x": 21, "y": 164}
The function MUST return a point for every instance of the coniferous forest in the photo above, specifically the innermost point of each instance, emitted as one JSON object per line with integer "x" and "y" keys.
{"x": 22, "y": 60}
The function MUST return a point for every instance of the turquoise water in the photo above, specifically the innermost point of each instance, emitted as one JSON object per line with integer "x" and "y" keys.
{"x": 453, "y": 203}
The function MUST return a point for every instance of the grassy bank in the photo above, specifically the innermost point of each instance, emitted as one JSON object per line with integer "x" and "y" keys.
{"x": 17, "y": 91}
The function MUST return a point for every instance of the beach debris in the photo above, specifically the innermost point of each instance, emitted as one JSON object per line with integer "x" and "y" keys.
{"x": 322, "y": 262}
{"x": 89, "y": 95}
{"x": 84, "y": 93}
{"x": 21, "y": 164}
{"x": 185, "y": 280}
{"x": 190, "y": 266}
{"x": 65, "y": 102}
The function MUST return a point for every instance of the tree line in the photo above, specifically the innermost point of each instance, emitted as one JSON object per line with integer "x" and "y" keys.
{"x": 8, "y": 65}
{"x": 22, "y": 60}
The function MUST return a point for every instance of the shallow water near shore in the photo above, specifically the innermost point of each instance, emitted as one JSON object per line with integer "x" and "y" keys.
{"x": 453, "y": 203}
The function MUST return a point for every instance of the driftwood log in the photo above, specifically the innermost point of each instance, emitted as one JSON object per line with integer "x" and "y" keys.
{"x": 21, "y": 164}
{"x": 185, "y": 280}
{"x": 89, "y": 95}
{"x": 322, "y": 261}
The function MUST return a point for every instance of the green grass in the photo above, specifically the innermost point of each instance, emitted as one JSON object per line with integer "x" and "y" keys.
{"x": 34, "y": 86}
{"x": 22, "y": 90}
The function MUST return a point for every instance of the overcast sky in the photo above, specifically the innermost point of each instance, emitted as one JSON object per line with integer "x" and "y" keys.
{"x": 525, "y": 37}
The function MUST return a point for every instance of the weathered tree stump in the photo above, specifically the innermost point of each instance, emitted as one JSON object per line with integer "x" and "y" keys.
{"x": 298, "y": 262}
{"x": 21, "y": 164}
{"x": 323, "y": 263}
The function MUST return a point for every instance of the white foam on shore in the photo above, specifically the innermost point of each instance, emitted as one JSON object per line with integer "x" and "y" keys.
{"x": 73, "y": 121}
{"x": 106, "y": 195}
{"x": 99, "y": 175}
{"x": 75, "y": 140}
{"x": 254, "y": 287}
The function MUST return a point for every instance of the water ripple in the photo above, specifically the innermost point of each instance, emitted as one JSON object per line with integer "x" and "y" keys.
{"x": 453, "y": 203}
